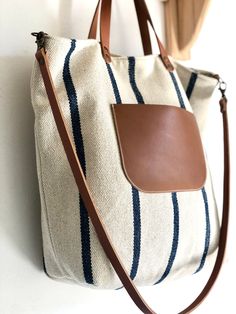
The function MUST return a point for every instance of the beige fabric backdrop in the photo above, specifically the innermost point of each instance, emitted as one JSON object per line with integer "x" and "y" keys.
{"x": 183, "y": 19}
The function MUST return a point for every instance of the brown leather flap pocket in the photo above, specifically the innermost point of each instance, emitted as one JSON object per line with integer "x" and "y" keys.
{"x": 160, "y": 147}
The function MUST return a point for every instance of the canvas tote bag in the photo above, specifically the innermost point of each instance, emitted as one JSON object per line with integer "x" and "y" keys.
{"x": 125, "y": 188}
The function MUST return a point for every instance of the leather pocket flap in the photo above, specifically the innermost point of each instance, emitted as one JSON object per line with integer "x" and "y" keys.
{"x": 160, "y": 147}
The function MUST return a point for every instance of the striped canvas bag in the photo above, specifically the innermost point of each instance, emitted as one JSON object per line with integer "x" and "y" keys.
{"x": 125, "y": 189}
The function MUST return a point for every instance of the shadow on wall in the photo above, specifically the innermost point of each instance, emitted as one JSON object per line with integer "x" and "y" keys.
{"x": 20, "y": 189}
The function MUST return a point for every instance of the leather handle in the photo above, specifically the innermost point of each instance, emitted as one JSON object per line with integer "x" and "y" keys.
{"x": 94, "y": 213}
{"x": 105, "y": 21}
{"x": 143, "y": 28}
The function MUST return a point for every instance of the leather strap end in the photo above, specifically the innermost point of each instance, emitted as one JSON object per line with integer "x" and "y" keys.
{"x": 223, "y": 104}
{"x": 106, "y": 54}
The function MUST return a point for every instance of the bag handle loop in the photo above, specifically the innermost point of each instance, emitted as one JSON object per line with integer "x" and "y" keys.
{"x": 94, "y": 213}
{"x": 143, "y": 27}
{"x": 105, "y": 21}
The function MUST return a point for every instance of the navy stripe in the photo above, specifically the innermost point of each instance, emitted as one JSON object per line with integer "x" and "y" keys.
{"x": 135, "y": 192}
{"x": 137, "y": 232}
{"x": 78, "y": 139}
{"x": 175, "y": 237}
{"x": 181, "y": 101}
{"x": 189, "y": 90}
{"x": 208, "y": 231}
{"x": 114, "y": 84}
{"x": 132, "y": 80}
{"x": 135, "y": 196}
{"x": 191, "y": 84}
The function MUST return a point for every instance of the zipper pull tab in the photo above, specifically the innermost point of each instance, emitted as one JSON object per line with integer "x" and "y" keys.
{"x": 40, "y": 39}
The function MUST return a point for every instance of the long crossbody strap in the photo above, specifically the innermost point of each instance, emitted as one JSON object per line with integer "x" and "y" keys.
{"x": 94, "y": 213}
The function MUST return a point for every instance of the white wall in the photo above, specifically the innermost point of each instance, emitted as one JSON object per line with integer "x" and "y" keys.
{"x": 215, "y": 50}
{"x": 24, "y": 288}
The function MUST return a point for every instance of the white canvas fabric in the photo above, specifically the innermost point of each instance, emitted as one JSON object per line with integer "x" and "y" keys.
{"x": 199, "y": 86}
{"x": 158, "y": 236}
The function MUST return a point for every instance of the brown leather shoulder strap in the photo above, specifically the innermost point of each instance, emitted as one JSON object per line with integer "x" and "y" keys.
{"x": 94, "y": 213}
{"x": 94, "y": 25}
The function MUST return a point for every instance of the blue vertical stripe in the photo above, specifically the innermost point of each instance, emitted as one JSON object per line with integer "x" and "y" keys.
{"x": 78, "y": 139}
{"x": 132, "y": 80}
{"x": 137, "y": 232}
{"x": 114, "y": 84}
{"x": 135, "y": 192}
{"x": 181, "y": 101}
{"x": 208, "y": 231}
{"x": 191, "y": 84}
{"x": 135, "y": 196}
{"x": 175, "y": 238}
{"x": 189, "y": 91}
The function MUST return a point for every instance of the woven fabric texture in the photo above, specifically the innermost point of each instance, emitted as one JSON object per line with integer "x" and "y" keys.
{"x": 158, "y": 236}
